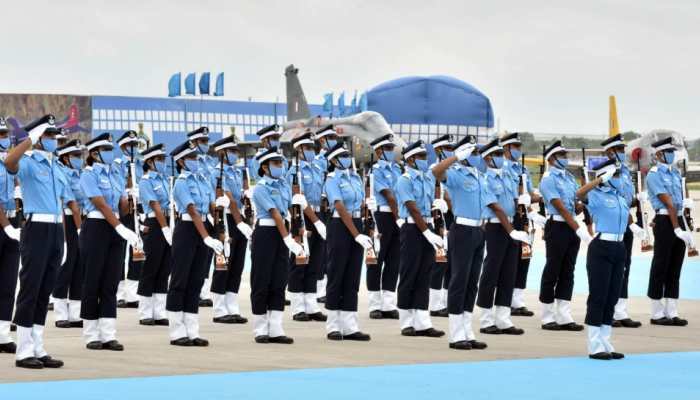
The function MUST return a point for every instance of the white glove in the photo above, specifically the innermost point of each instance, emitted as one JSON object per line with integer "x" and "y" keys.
{"x": 35, "y": 134}
{"x": 320, "y": 228}
{"x": 222, "y": 201}
{"x": 400, "y": 222}
{"x": 607, "y": 175}
{"x": 248, "y": 193}
{"x": 293, "y": 246}
{"x": 440, "y": 204}
{"x": 214, "y": 244}
{"x": 520, "y": 235}
{"x": 364, "y": 241}
{"x": 12, "y": 232}
{"x": 642, "y": 197}
{"x": 168, "y": 235}
{"x": 245, "y": 229}
{"x": 582, "y": 232}
{"x": 537, "y": 218}
{"x": 524, "y": 199}
{"x": 65, "y": 253}
{"x": 133, "y": 193}
{"x": 127, "y": 234}
{"x": 299, "y": 200}
{"x": 432, "y": 238}
{"x": 463, "y": 152}
{"x": 685, "y": 236}
{"x": 689, "y": 204}
{"x": 18, "y": 192}
{"x": 638, "y": 232}
{"x": 371, "y": 203}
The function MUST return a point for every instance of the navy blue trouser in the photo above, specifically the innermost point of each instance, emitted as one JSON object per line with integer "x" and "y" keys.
{"x": 629, "y": 242}
{"x": 466, "y": 244}
{"x": 345, "y": 266}
{"x": 604, "y": 262}
{"x": 229, "y": 280}
{"x": 498, "y": 275}
{"x": 268, "y": 273}
{"x": 417, "y": 260}
{"x": 9, "y": 267}
{"x": 134, "y": 270}
{"x": 189, "y": 269}
{"x": 156, "y": 268}
{"x": 669, "y": 252}
{"x": 69, "y": 282}
{"x": 385, "y": 274}
{"x": 562, "y": 246}
{"x": 302, "y": 278}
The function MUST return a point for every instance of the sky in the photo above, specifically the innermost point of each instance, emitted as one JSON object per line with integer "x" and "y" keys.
{"x": 547, "y": 66}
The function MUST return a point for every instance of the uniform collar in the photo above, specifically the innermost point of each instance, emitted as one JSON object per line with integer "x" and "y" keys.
{"x": 495, "y": 172}
{"x": 557, "y": 171}
{"x": 185, "y": 173}
{"x": 413, "y": 172}
{"x": 99, "y": 167}
{"x": 667, "y": 167}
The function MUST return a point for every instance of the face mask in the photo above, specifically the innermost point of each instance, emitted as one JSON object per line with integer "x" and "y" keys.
{"x": 231, "y": 158}
{"x": 75, "y": 162}
{"x": 422, "y": 165}
{"x": 309, "y": 155}
{"x": 159, "y": 166}
{"x": 49, "y": 145}
{"x": 330, "y": 143}
{"x": 516, "y": 154}
{"x": 203, "y": 148}
{"x": 274, "y": 143}
{"x": 5, "y": 143}
{"x": 344, "y": 162}
{"x": 447, "y": 153}
{"x": 620, "y": 157}
{"x": 388, "y": 155}
{"x": 276, "y": 172}
{"x": 474, "y": 160}
{"x": 107, "y": 156}
{"x": 497, "y": 162}
{"x": 192, "y": 165}
{"x": 669, "y": 157}
{"x": 562, "y": 163}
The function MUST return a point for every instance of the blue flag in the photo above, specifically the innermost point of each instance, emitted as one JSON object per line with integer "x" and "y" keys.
{"x": 353, "y": 104}
{"x": 363, "y": 102}
{"x": 189, "y": 84}
{"x": 219, "y": 90}
{"x": 174, "y": 85}
{"x": 328, "y": 102}
{"x": 204, "y": 83}
{"x": 341, "y": 104}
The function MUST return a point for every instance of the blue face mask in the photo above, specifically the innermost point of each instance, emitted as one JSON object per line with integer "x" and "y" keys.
{"x": 276, "y": 172}
{"x": 669, "y": 157}
{"x": 345, "y": 162}
{"x": 448, "y": 153}
{"x": 388, "y": 155}
{"x": 474, "y": 160}
{"x": 5, "y": 143}
{"x": 330, "y": 143}
{"x": 274, "y": 143}
{"x": 497, "y": 162}
{"x": 160, "y": 166}
{"x": 309, "y": 155}
{"x": 49, "y": 145}
{"x": 422, "y": 165}
{"x": 516, "y": 154}
{"x": 561, "y": 163}
{"x": 232, "y": 158}
{"x": 192, "y": 165}
{"x": 107, "y": 156}
{"x": 621, "y": 156}
{"x": 75, "y": 162}
{"x": 203, "y": 148}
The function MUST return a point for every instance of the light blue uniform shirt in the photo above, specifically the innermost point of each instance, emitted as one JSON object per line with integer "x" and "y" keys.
{"x": 627, "y": 189}
{"x": 154, "y": 186}
{"x": 468, "y": 191}
{"x": 120, "y": 168}
{"x": 346, "y": 187}
{"x": 311, "y": 181}
{"x": 233, "y": 182}
{"x": 415, "y": 186}
{"x": 42, "y": 183}
{"x": 515, "y": 170}
{"x": 501, "y": 190}
{"x": 76, "y": 192}
{"x": 192, "y": 189}
{"x": 662, "y": 179}
{"x": 386, "y": 175}
{"x": 7, "y": 187}
{"x": 609, "y": 210}
{"x": 96, "y": 180}
{"x": 207, "y": 171}
{"x": 271, "y": 193}
{"x": 559, "y": 184}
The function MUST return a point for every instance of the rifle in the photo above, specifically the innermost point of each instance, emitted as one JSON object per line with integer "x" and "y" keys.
{"x": 247, "y": 206}
{"x": 171, "y": 197}
{"x": 369, "y": 227}
{"x": 439, "y": 221}
{"x": 220, "y": 221}
{"x": 19, "y": 206}
{"x": 641, "y": 213}
{"x": 137, "y": 253}
{"x": 297, "y": 219}
{"x": 522, "y": 213}
{"x": 687, "y": 217}
{"x": 542, "y": 211}
{"x": 586, "y": 215}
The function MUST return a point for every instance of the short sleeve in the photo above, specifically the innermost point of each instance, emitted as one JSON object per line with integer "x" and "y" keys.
{"x": 182, "y": 195}
{"x": 380, "y": 180}
{"x": 451, "y": 179}
{"x": 489, "y": 196}
{"x": 655, "y": 184}
{"x": 549, "y": 189}
{"x": 23, "y": 168}
{"x": 146, "y": 192}
{"x": 405, "y": 190}
{"x": 90, "y": 185}
{"x": 262, "y": 199}
{"x": 333, "y": 191}
{"x": 593, "y": 201}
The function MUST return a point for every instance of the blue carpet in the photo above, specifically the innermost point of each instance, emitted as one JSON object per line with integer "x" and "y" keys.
{"x": 639, "y": 377}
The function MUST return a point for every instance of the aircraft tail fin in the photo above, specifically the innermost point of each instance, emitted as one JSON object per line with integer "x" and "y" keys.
{"x": 297, "y": 106}
{"x": 613, "y": 125}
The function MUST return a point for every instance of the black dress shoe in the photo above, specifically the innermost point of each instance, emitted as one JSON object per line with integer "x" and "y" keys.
{"x": 512, "y": 331}
{"x": 147, "y": 322}
{"x": 393, "y": 314}
{"x": 262, "y": 339}
{"x": 321, "y": 299}
{"x": 335, "y": 335}
{"x": 550, "y": 326}
{"x": 226, "y": 319}
{"x": 62, "y": 324}
{"x": 408, "y": 331}
{"x": 281, "y": 340}
{"x": 287, "y": 302}
{"x": 628, "y": 323}
{"x": 600, "y": 356}
{"x": 112, "y": 345}
{"x": 10, "y": 348}
{"x": 461, "y": 345}
{"x": 440, "y": 313}
{"x": 318, "y": 316}
{"x": 490, "y": 330}
{"x": 13, "y": 328}
{"x": 206, "y": 303}
{"x": 679, "y": 321}
{"x": 521, "y": 312}
{"x": 94, "y": 345}
{"x": 76, "y": 324}
{"x": 162, "y": 322}
{"x": 478, "y": 345}
{"x": 616, "y": 324}
{"x": 430, "y": 332}
{"x": 121, "y": 304}
{"x": 571, "y": 326}
{"x": 237, "y": 319}
{"x": 617, "y": 356}
{"x": 301, "y": 317}
{"x": 376, "y": 314}
{"x": 50, "y": 362}
{"x": 183, "y": 341}
{"x": 357, "y": 336}
{"x": 132, "y": 304}
{"x": 661, "y": 321}
{"x": 29, "y": 362}
{"x": 200, "y": 342}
